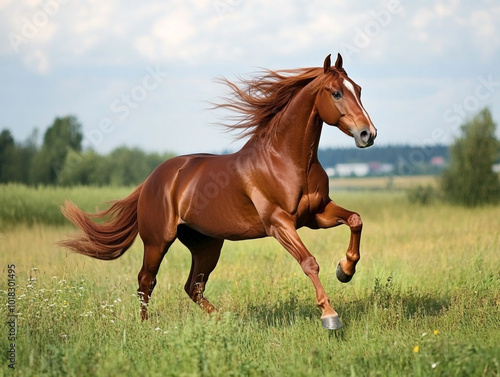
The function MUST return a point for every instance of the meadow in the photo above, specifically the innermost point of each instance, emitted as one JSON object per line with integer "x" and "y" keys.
{"x": 424, "y": 302}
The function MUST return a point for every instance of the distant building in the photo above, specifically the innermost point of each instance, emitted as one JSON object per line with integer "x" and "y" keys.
{"x": 378, "y": 168}
{"x": 438, "y": 161}
{"x": 349, "y": 170}
{"x": 330, "y": 171}
{"x": 359, "y": 169}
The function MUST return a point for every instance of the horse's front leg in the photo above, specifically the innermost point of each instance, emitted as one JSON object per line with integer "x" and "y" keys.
{"x": 283, "y": 229}
{"x": 334, "y": 215}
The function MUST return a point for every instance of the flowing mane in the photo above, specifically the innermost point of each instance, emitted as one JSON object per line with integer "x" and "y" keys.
{"x": 256, "y": 101}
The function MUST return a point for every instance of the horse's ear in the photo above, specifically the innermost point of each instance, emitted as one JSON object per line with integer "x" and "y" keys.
{"x": 328, "y": 63}
{"x": 339, "y": 62}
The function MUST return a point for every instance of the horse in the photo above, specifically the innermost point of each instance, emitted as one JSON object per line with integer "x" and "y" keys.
{"x": 272, "y": 186}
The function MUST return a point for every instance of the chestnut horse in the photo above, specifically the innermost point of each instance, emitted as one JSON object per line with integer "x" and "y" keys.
{"x": 271, "y": 187}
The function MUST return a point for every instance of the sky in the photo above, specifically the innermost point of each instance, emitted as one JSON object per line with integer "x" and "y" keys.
{"x": 142, "y": 74}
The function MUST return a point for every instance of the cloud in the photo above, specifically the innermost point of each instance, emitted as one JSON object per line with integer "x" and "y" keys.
{"x": 4, "y": 3}
{"x": 259, "y": 32}
{"x": 88, "y": 26}
{"x": 36, "y": 61}
{"x": 30, "y": 29}
{"x": 172, "y": 36}
{"x": 454, "y": 28}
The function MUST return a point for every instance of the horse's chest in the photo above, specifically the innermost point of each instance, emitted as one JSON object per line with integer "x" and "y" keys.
{"x": 308, "y": 206}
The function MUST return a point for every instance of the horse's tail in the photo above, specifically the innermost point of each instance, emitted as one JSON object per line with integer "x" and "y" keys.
{"x": 107, "y": 239}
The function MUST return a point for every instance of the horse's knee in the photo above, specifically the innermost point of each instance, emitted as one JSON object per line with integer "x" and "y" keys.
{"x": 354, "y": 222}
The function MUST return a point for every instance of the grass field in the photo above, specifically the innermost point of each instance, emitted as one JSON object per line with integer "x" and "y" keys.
{"x": 424, "y": 302}
{"x": 382, "y": 183}
{"x": 20, "y": 204}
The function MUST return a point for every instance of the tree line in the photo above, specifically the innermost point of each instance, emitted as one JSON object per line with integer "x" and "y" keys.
{"x": 468, "y": 179}
{"x": 61, "y": 159}
{"x": 385, "y": 154}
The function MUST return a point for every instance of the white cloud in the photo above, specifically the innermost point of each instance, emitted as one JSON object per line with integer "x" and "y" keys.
{"x": 444, "y": 9}
{"x": 188, "y": 30}
{"x": 422, "y": 18}
{"x": 4, "y": 3}
{"x": 37, "y": 61}
{"x": 483, "y": 24}
{"x": 174, "y": 32}
{"x": 454, "y": 29}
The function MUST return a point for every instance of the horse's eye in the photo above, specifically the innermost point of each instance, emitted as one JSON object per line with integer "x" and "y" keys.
{"x": 337, "y": 95}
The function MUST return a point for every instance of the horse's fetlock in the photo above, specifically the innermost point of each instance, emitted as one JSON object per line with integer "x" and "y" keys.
{"x": 352, "y": 256}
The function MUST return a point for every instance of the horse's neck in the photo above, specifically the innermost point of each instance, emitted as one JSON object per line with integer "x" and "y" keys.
{"x": 297, "y": 135}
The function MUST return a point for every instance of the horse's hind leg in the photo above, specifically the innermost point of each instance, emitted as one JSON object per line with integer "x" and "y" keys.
{"x": 205, "y": 253}
{"x": 153, "y": 255}
{"x": 203, "y": 263}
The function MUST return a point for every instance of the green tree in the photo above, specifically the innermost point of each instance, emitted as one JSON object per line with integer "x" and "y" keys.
{"x": 25, "y": 157}
{"x": 131, "y": 166}
{"x": 7, "y": 151}
{"x": 15, "y": 158}
{"x": 123, "y": 166}
{"x": 82, "y": 169}
{"x": 63, "y": 136}
{"x": 470, "y": 180}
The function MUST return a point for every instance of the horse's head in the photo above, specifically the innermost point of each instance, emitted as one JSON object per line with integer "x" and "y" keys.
{"x": 339, "y": 104}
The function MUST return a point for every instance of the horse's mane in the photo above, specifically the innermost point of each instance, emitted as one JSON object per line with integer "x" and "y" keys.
{"x": 256, "y": 101}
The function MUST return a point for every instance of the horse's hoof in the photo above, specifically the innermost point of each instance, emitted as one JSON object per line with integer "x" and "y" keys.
{"x": 331, "y": 322}
{"x": 342, "y": 276}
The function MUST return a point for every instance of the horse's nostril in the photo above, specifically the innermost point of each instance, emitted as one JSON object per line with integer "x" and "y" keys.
{"x": 364, "y": 135}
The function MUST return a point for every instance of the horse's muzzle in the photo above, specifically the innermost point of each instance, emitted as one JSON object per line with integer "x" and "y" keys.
{"x": 366, "y": 137}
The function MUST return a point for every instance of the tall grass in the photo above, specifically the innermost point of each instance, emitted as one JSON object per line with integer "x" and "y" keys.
{"x": 424, "y": 301}
{"x": 21, "y": 204}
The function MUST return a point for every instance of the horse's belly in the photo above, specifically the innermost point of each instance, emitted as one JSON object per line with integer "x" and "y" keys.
{"x": 226, "y": 218}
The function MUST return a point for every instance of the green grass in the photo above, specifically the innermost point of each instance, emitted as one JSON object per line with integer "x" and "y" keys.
{"x": 21, "y": 204}
{"x": 424, "y": 301}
